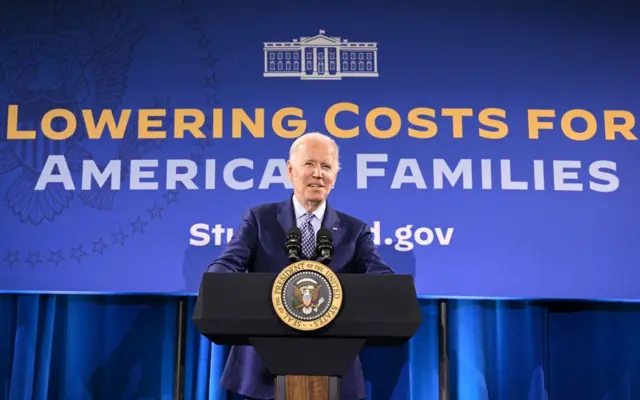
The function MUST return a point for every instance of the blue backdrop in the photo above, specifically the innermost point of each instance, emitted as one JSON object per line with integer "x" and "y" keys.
{"x": 493, "y": 151}
{"x": 507, "y": 241}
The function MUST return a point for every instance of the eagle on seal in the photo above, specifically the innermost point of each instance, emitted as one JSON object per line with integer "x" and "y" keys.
{"x": 306, "y": 294}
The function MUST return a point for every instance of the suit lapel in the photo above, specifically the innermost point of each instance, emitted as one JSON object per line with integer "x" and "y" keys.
{"x": 286, "y": 216}
{"x": 331, "y": 221}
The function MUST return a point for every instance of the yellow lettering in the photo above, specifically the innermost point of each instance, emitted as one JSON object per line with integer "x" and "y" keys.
{"x": 13, "y": 133}
{"x": 535, "y": 124}
{"x": 330, "y": 120}
{"x": 67, "y": 132}
{"x": 485, "y": 118}
{"x": 567, "y": 129}
{"x": 240, "y": 118}
{"x": 95, "y": 130}
{"x": 193, "y": 127}
{"x": 457, "y": 114}
{"x": 611, "y": 128}
{"x": 373, "y": 129}
{"x": 145, "y": 122}
{"x": 217, "y": 123}
{"x": 431, "y": 128}
{"x": 299, "y": 124}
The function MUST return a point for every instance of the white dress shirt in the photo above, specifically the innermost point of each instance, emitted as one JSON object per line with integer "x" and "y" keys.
{"x": 301, "y": 212}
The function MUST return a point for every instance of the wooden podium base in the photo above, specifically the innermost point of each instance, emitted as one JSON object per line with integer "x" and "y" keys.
{"x": 305, "y": 387}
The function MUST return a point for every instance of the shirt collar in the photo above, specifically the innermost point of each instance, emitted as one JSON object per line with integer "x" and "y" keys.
{"x": 300, "y": 211}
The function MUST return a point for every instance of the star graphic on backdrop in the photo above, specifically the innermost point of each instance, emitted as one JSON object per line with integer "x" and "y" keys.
{"x": 34, "y": 258}
{"x": 203, "y": 144}
{"x": 209, "y": 61}
{"x": 55, "y": 257}
{"x": 196, "y": 157}
{"x": 156, "y": 212}
{"x": 210, "y": 81}
{"x": 138, "y": 225}
{"x": 203, "y": 41}
{"x": 119, "y": 237}
{"x": 99, "y": 246}
{"x": 77, "y": 253}
{"x": 13, "y": 257}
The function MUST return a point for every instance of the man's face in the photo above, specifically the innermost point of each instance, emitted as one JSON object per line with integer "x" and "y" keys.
{"x": 313, "y": 170}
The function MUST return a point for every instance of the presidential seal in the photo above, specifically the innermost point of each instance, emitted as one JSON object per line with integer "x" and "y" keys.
{"x": 307, "y": 295}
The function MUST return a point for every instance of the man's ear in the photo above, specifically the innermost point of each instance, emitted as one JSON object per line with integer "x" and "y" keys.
{"x": 290, "y": 170}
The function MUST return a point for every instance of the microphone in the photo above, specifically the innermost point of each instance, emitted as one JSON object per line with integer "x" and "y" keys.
{"x": 324, "y": 245}
{"x": 292, "y": 244}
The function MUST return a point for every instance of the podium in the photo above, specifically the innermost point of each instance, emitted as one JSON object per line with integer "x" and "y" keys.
{"x": 244, "y": 309}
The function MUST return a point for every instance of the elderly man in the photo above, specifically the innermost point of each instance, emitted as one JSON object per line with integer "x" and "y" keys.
{"x": 258, "y": 246}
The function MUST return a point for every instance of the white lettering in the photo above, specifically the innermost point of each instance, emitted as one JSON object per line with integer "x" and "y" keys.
{"x": 137, "y": 174}
{"x": 487, "y": 181}
{"x": 441, "y": 170}
{"x": 538, "y": 174}
{"x": 210, "y": 175}
{"x": 505, "y": 174}
{"x": 111, "y": 171}
{"x": 91, "y": 170}
{"x": 229, "y": 178}
{"x": 423, "y": 241}
{"x": 444, "y": 239}
{"x": 186, "y": 178}
{"x": 531, "y": 175}
{"x": 269, "y": 177}
{"x": 201, "y": 234}
{"x": 243, "y": 174}
{"x": 404, "y": 238}
{"x": 596, "y": 171}
{"x": 560, "y": 176}
{"x": 364, "y": 172}
{"x": 399, "y": 178}
{"x": 375, "y": 230}
{"x": 423, "y": 236}
{"x": 47, "y": 176}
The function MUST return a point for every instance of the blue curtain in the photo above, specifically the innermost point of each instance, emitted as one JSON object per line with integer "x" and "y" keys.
{"x": 122, "y": 347}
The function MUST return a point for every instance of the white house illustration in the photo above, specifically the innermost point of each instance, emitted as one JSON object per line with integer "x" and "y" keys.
{"x": 320, "y": 57}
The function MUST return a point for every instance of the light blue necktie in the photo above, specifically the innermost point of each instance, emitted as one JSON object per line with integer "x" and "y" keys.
{"x": 308, "y": 237}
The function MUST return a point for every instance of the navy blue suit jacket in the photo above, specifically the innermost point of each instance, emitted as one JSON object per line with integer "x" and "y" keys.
{"x": 258, "y": 246}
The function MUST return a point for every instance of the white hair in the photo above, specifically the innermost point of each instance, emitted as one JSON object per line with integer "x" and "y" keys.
{"x": 296, "y": 144}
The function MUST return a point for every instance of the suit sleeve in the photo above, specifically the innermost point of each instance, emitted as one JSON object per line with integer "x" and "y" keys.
{"x": 238, "y": 254}
{"x": 367, "y": 257}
